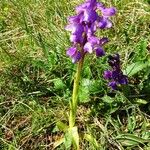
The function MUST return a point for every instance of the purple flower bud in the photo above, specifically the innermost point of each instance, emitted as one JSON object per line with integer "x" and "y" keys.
{"x": 123, "y": 80}
{"x": 99, "y": 52}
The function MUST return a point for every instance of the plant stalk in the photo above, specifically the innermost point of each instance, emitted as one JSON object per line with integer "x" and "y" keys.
{"x": 74, "y": 102}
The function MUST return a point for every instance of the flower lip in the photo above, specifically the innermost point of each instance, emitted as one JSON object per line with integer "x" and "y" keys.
{"x": 88, "y": 47}
{"x": 76, "y": 57}
{"x": 108, "y": 11}
{"x": 71, "y": 51}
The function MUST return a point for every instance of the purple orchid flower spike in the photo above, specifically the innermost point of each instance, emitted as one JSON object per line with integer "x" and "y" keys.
{"x": 83, "y": 27}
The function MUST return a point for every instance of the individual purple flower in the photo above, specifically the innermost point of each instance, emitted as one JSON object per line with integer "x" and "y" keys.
{"x": 115, "y": 75}
{"x": 83, "y": 27}
{"x": 74, "y": 54}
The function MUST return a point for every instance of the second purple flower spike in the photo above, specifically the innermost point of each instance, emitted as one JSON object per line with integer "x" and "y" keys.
{"x": 115, "y": 75}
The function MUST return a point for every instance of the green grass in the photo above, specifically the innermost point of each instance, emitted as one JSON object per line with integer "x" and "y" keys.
{"x": 36, "y": 78}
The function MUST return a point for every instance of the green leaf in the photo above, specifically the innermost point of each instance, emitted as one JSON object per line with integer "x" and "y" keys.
{"x": 75, "y": 137}
{"x": 141, "y": 101}
{"x": 135, "y": 68}
{"x": 62, "y": 126}
{"x": 91, "y": 140}
{"x": 84, "y": 94}
{"x": 68, "y": 140}
{"x": 125, "y": 142}
{"x": 72, "y": 137}
{"x": 131, "y": 123}
{"x": 58, "y": 84}
{"x": 130, "y": 140}
{"x": 87, "y": 72}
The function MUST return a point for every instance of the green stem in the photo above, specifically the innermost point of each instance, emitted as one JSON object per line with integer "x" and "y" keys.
{"x": 74, "y": 102}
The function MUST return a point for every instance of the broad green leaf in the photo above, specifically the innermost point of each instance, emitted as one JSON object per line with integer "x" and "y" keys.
{"x": 84, "y": 94}
{"x": 131, "y": 123}
{"x": 135, "y": 68}
{"x": 75, "y": 137}
{"x": 129, "y": 140}
{"x": 68, "y": 140}
{"x": 87, "y": 72}
{"x": 125, "y": 142}
{"x": 72, "y": 137}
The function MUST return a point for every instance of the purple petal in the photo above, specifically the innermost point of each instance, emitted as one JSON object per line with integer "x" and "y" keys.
{"x": 93, "y": 40}
{"x": 99, "y": 6}
{"x": 90, "y": 16}
{"x": 103, "y": 41}
{"x": 71, "y": 51}
{"x": 75, "y": 28}
{"x": 108, "y": 23}
{"x": 107, "y": 74}
{"x": 81, "y": 8}
{"x": 104, "y": 23}
{"x": 90, "y": 30}
{"x": 75, "y": 19}
{"x": 123, "y": 80}
{"x": 108, "y": 11}
{"x": 99, "y": 52}
{"x": 76, "y": 38}
{"x": 113, "y": 85}
{"x": 88, "y": 47}
{"x": 76, "y": 57}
